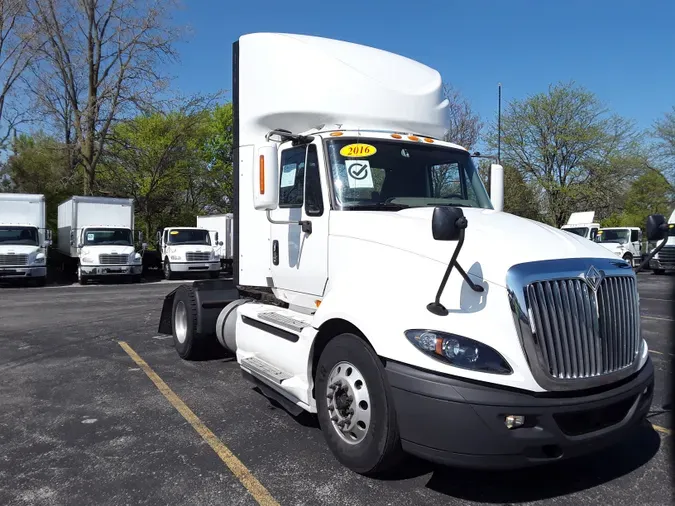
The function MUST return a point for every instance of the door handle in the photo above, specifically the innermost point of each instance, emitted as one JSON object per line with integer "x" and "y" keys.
{"x": 275, "y": 252}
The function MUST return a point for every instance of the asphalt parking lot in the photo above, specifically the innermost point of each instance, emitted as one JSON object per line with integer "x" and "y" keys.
{"x": 82, "y": 421}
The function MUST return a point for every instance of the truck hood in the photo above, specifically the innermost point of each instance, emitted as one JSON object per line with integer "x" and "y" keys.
{"x": 495, "y": 241}
{"x": 18, "y": 249}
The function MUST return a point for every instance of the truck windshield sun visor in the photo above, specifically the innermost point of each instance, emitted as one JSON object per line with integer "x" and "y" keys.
{"x": 382, "y": 174}
{"x": 458, "y": 351}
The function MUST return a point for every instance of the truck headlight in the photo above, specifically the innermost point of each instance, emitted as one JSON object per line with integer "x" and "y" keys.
{"x": 39, "y": 259}
{"x": 137, "y": 258}
{"x": 458, "y": 351}
{"x": 86, "y": 259}
{"x": 175, "y": 257}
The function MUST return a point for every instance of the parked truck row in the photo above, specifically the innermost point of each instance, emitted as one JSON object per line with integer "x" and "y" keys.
{"x": 478, "y": 357}
{"x": 96, "y": 238}
{"x": 626, "y": 243}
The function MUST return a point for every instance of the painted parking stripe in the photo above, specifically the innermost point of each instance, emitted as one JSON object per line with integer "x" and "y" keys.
{"x": 254, "y": 487}
{"x": 662, "y": 430}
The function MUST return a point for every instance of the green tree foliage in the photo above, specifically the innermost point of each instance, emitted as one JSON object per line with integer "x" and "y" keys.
{"x": 175, "y": 165}
{"x": 664, "y": 131}
{"x": 39, "y": 165}
{"x": 650, "y": 194}
{"x": 569, "y": 150}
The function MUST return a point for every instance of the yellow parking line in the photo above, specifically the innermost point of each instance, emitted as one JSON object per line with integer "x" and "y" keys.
{"x": 662, "y": 430}
{"x": 255, "y": 488}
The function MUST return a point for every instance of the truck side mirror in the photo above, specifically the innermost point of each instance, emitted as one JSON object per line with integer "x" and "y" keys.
{"x": 216, "y": 237}
{"x": 72, "y": 238}
{"x": 447, "y": 223}
{"x": 266, "y": 178}
{"x": 140, "y": 236}
{"x": 657, "y": 228}
{"x": 497, "y": 186}
{"x": 144, "y": 246}
{"x": 159, "y": 237}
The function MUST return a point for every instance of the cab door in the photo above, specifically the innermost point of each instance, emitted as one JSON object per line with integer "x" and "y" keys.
{"x": 299, "y": 252}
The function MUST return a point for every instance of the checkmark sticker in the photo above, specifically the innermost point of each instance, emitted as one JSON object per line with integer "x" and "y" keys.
{"x": 359, "y": 174}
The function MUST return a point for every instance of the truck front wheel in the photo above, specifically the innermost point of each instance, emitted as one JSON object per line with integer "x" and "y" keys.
{"x": 355, "y": 407}
{"x": 167, "y": 269}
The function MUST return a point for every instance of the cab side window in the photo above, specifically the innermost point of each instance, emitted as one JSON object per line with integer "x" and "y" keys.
{"x": 292, "y": 182}
{"x": 300, "y": 183}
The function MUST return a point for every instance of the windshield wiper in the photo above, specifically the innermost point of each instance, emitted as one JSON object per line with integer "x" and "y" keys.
{"x": 377, "y": 206}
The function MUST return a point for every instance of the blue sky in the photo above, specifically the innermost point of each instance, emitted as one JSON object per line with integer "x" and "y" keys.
{"x": 623, "y": 51}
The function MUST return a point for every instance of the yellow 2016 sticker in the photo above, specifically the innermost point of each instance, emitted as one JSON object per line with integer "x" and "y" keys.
{"x": 358, "y": 150}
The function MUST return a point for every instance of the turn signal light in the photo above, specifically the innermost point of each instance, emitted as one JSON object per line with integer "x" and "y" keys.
{"x": 262, "y": 175}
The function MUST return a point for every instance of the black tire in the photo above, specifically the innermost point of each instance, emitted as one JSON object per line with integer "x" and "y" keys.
{"x": 628, "y": 258}
{"x": 81, "y": 278}
{"x": 214, "y": 275}
{"x": 136, "y": 278}
{"x": 659, "y": 272}
{"x": 168, "y": 274}
{"x": 380, "y": 450}
{"x": 39, "y": 282}
{"x": 190, "y": 348}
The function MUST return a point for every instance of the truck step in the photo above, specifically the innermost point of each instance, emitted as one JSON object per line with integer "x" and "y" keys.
{"x": 294, "y": 324}
{"x": 265, "y": 370}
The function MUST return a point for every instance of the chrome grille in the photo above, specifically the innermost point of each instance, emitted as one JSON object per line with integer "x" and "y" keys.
{"x": 13, "y": 260}
{"x": 667, "y": 255}
{"x": 193, "y": 256}
{"x": 110, "y": 259}
{"x": 581, "y": 334}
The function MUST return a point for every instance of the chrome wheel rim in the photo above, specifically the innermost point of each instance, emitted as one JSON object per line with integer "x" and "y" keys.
{"x": 348, "y": 402}
{"x": 180, "y": 322}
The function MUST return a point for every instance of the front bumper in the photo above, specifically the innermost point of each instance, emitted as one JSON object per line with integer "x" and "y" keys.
{"x": 111, "y": 270}
{"x": 22, "y": 272}
{"x": 195, "y": 266}
{"x": 454, "y": 422}
{"x": 657, "y": 264}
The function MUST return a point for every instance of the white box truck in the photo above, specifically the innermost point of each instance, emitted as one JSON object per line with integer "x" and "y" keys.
{"x": 475, "y": 357}
{"x": 582, "y": 224}
{"x": 220, "y": 224}
{"x": 188, "y": 250}
{"x": 624, "y": 242}
{"x": 24, "y": 237}
{"x": 663, "y": 259}
{"x": 96, "y": 237}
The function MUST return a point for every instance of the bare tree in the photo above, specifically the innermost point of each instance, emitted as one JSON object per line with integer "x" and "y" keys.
{"x": 464, "y": 126}
{"x": 16, "y": 52}
{"x": 99, "y": 61}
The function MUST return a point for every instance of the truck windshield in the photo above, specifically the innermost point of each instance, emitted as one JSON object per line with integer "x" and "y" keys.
{"x": 582, "y": 231}
{"x": 107, "y": 236}
{"x": 382, "y": 174}
{"x": 617, "y": 236}
{"x": 189, "y": 236}
{"x": 27, "y": 236}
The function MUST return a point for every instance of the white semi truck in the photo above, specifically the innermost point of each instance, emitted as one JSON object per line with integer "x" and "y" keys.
{"x": 471, "y": 356}
{"x": 624, "y": 242}
{"x": 24, "y": 237}
{"x": 664, "y": 259}
{"x": 96, "y": 238}
{"x": 189, "y": 250}
{"x": 582, "y": 224}
{"x": 220, "y": 225}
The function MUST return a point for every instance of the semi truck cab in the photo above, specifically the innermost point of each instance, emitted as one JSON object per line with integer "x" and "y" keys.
{"x": 105, "y": 251}
{"x": 582, "y": 224}
{"x": 664, "y": 259}
{"x": 367, "y": 288}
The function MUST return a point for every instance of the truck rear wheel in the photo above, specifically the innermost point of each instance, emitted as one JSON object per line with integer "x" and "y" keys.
{"x": 184, "y": 318}
{"x": 355, "y": 407}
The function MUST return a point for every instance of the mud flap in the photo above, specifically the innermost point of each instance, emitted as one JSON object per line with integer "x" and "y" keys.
{"x": 165, "y": 325}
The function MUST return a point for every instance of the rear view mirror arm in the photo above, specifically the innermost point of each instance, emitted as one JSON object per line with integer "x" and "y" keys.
{"x": 651, "y": 255}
